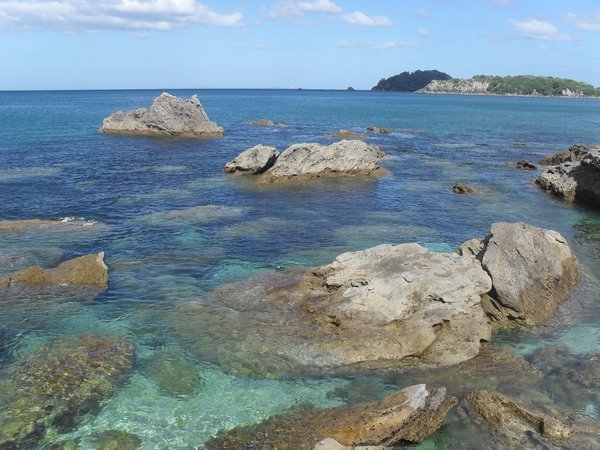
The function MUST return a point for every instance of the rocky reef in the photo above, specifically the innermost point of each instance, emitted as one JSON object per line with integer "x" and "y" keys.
{"x": 57, "y": 386}
{"x": 407, "y": 416}
{"x": 168, "y": 116}
{"x": 385, "y": 308}
{"x": 300, "y": 162}
{"x": 88, "y": 270}
{"x": 265, "y": 123}
{"x": 575, "y": 175}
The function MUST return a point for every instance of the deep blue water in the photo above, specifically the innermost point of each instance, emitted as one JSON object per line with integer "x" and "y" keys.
{"x": 54, "y": 164}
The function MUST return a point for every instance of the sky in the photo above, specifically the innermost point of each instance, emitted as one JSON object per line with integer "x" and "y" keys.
{"x": 321, "y": 44}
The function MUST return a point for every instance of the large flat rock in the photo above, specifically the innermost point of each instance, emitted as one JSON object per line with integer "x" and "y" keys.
{"x": 388, "y": 306}
{"x": 168, "y": 116}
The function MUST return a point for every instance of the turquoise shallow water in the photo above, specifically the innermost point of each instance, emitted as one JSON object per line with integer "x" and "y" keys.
{"x": 54, "y": 164}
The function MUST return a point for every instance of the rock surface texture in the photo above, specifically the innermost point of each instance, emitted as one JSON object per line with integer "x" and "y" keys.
{"x": 253, "y": 161}
{"x": 407, "y": 416}
{"x": 55, "y": 387}
{"x": 344, "y": 158}
{"x": 576, "y": 177}
{"x": 385, "y": 307}
{"x": 533, "y": 270}
{"x": 168, "y": 116}
{"x": 88, "y": 270}
{"x": 306, "y": 161}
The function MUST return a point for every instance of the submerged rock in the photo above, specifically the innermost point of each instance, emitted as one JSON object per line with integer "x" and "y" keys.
{"x": 168, "y": 116}
{"x": 265, "y": 123}
{"x": 55, "y": 387}
{"x": 577, "y": 179}
{"x": 340, "y": 159}
{"x": 116, "y": 440}
{"x": 33, "y": 224}
{"x": 374, "y": 129}
{"x": 87, "y": 270}
{"x": 533, "y": 270}
{"x": 460, "y": 188}
{"x": 172, "y": 372}
{"x": 407, "y": 416}
{"x": 388, "y": 306}
{"x": 345, "y": 134}
{"x": 253, "y": 161}
{"x": 194, "y": 215}
{"x": 515, "y": 425}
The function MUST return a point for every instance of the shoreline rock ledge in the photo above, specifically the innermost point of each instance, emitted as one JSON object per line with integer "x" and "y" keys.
{"x": 168, "y": 116}
{"x": 300, "y": 162}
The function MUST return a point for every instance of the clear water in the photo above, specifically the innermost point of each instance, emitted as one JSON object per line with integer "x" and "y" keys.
{"x": 54, "y": 164}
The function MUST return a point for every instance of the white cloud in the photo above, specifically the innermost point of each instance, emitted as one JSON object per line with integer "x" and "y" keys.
{"x": 423, "y": 32}
{"x": 423, "y": 13}
{"x": 361, "y": 19}
{"x": 585, "y": 22}
{"x": 90, "y": 15}
{"x": 386, "y": 45}
{"x": 538, "y": 29}
{"x": 289, "y": 9}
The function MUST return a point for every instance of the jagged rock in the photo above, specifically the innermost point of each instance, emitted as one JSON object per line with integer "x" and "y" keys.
{"x": 577, "y": 179}
{"x": 55, "y": 387}
{"x": 87, "y": 270}
{"x": 523, "y": 164}
{"x": 573, "y": 154}
{"x": 472, "y": 247}
{"x": 255, "y": 160}
{"x": 513, "y": 421}
{"x": 168, "y": 116}
{"x": 460, "y": 188}
{"x": 344, "y": 158}
{"x": 533, "y": 270}
{"x": 345, "y": 134}
{"x": 374, "y": 129}
{"x": 388, "y": 306}
{"x": 265, "y": 123}
{"x": 407, "y": 416}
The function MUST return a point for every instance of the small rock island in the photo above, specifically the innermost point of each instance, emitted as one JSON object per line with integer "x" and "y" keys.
{"x": 168, "y": 116}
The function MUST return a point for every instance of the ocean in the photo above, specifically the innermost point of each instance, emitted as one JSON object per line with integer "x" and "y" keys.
{"x": 54, "y": 165}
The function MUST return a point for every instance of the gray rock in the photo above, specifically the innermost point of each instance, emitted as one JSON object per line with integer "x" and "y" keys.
{"x": 577, "y": 178}
{"x": 253, "y": 161}
{"x": 168, "y": 116}
{"x": 533, "y": 270}
{"x": 87, "y": 270}
{"x": 407, "y": 416}
{"x": 265, "y": 123}
{"x": 385, "y": 307}
{"x": 523, "y": 164}
{"x": 344, "y": 158}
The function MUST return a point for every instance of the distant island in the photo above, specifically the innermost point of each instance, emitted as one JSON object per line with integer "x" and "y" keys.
{"x": 436, "y": 82}
{"x": 410, "y": 81}
{"x": 527, "y": 85}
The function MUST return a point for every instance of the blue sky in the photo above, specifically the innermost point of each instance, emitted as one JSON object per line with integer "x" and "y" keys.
{"x": 103, "y": 44}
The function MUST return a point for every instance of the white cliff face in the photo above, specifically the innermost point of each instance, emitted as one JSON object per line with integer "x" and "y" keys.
{"x": 455, "y": 87}
{"x": 168, "y": 116}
